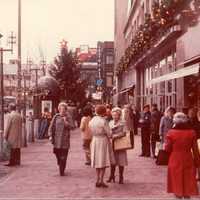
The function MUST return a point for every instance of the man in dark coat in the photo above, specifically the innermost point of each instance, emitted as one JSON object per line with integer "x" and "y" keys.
{"x": 136, "y": 117}
{"x": 155, "y": 123}
{"x": 193, "y": 121}
{"x": 145, "y": 123}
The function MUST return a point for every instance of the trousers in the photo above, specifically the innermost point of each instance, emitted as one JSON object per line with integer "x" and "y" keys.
{"x": 15, "y": 156}
{"x": 145, "y": 136}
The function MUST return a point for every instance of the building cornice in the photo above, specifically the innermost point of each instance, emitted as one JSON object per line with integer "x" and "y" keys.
{"x": 131, "y": 14}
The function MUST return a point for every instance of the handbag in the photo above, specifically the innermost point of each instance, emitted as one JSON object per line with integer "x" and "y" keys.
{"x": 163, "y": 157}
{"x": 158, "y": 147}
{"x": 124, "y": 143}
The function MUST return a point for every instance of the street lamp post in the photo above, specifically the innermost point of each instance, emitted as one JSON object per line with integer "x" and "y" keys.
{"x": 43, "y": 65}
{"x": 1, "y": 99}
{"x": 19, "y": 57}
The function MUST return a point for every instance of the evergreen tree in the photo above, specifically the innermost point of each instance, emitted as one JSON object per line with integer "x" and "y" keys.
{"x": 66, "y": 71}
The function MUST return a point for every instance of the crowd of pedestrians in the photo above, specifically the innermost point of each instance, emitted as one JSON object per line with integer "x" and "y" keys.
{"x": 104, "y": 126}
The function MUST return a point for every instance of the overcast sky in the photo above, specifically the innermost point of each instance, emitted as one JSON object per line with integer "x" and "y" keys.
{"x": 46, "y": 22}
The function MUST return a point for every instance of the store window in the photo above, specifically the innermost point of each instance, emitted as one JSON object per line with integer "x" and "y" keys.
{"x": 169, "y": 86}
{"x": 109, "y": 81}
{"x": 162, "y": 67}
{"x": 109, "y": 59}
{"x": 156, "y": 70}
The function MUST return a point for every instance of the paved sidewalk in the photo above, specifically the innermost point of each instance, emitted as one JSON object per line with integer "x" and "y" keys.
{"x": 38, "y": 177}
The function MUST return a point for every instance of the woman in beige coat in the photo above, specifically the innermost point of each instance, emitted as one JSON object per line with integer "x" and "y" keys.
{"x": 100, "y": 147}
{"x": 118, "y": 130}
{"x": 86, "y": 133}
{"x": 13, "y": 135}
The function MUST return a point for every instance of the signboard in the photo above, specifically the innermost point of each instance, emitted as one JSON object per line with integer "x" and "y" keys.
{"x": 97, "y": 96}
{"x": 46, "y": 104}
{"x": 99, "y": 82}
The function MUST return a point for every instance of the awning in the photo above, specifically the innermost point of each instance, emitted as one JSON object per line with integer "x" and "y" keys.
{"x": 186, "y": 71}
{"x": 127, "y": 89}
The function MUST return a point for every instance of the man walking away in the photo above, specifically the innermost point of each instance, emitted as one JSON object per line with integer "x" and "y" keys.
{"x": 145, "y": 122}
{"x": 155, "y": 123}
{"x": 13, "y": 135}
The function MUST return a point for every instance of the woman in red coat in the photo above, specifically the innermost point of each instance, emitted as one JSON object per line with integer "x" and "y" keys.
{"x": 184, "y": 158}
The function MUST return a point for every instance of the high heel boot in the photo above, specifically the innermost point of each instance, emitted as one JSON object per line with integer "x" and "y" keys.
{"x": 121, "y": 172}
{"x": 112, "y": 174}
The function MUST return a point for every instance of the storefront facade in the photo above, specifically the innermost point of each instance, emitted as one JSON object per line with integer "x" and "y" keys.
{"x": 168, "y": 73}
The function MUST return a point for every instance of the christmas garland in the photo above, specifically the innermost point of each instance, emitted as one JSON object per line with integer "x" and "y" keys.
{"x": 163, "y": 17}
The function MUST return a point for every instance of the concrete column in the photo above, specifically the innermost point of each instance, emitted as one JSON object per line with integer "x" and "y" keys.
{"x": 30, "y": 131}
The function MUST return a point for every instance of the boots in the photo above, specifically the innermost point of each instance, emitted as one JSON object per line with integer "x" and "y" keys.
{"x": 62, "y": 167}
{"x": 153, "y": 149}
{"x": 112, "y": 174}
{"x": 18, "y": 157}
{"x": 121, "y": 172}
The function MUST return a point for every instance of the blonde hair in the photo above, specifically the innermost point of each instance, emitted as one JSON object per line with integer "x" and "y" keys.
{"x": 117, "y": 110}
{"x": 180, "y": 118}
{"x": 62, "y": 104}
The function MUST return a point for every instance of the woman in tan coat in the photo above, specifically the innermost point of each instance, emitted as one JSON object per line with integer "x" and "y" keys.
{"x": 86, "y": 133}
{"x": 13, "y": 135}
{"x": 100, "y": 146}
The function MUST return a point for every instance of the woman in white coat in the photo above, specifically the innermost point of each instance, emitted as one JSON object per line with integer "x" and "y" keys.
{"x": 100, "y": 146}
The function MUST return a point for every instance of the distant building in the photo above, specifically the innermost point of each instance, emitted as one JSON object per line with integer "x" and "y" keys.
{"x": 106, "y": 66}
{"x": 87, "y": 58}
{"x": 11, "y": 79}
{"x": 96, "y": 67}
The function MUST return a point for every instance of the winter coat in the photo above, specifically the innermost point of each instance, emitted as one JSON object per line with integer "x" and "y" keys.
{"x": 145, "y": 120}
{"x": 13, "y": 130}
{"x": 195, "y": 124}
{"x": 183, "y": 162}
{"x": 61, "y": 131}
{"x": 119, "y": 156}
{"x": 100, "y": 146}
{"x": 166, "y": 124}
{"x": 155, "y": 121}
{"x": 127, "y": 118}
{"x": 84, "y": 126}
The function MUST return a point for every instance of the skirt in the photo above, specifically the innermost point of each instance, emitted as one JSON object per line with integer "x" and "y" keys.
{"x": 121, "y": 158}
{"x": 100, "y": 152}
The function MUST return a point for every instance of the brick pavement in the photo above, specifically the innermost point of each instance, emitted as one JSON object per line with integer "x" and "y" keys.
{"x": 38, "y": 177}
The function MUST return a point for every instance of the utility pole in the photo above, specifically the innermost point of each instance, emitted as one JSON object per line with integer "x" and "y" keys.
{"x": 25, "y": 74}
{"x": 1, "y": 99}
{"x": 19, "y": 57}
{"x": 36, "y": 103}
{"x": 43, "y": 64}
{"x": 2, "y": 50}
